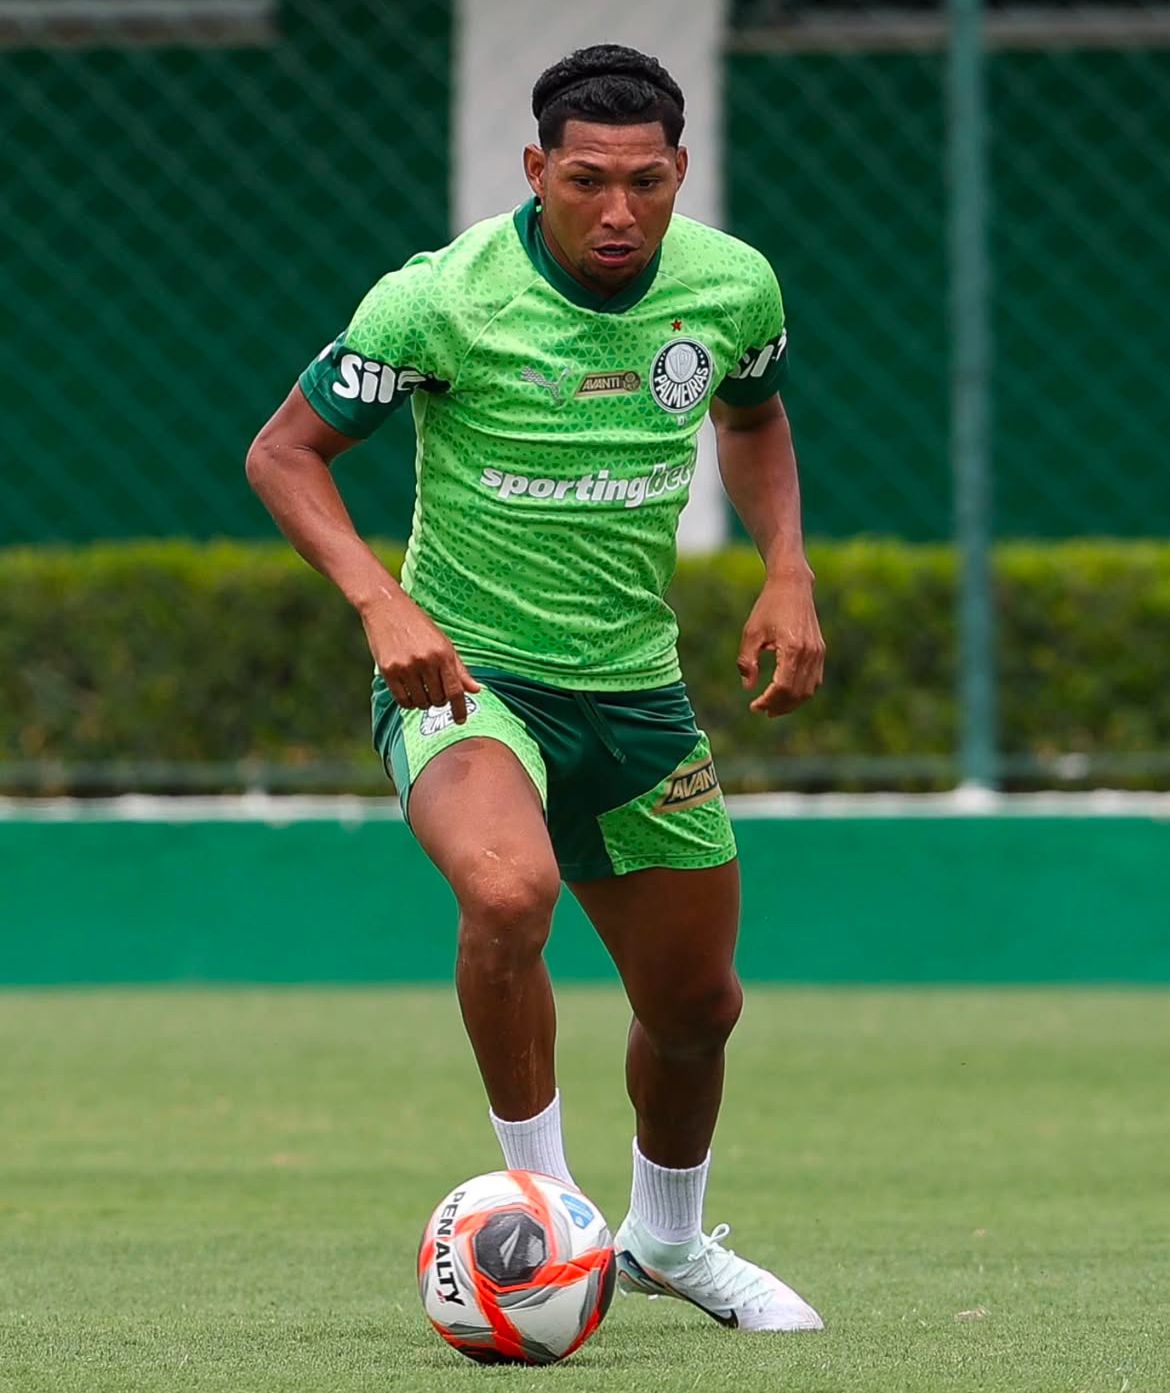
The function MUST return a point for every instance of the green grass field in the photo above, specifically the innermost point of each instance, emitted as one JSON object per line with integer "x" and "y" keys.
{"x": 224, "y": 1190}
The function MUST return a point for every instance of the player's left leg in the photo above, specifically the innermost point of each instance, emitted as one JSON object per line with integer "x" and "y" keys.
{"x": 672, "y": 935}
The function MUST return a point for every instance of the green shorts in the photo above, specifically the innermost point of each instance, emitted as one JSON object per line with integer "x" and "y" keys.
{"x": 625, "y": 778}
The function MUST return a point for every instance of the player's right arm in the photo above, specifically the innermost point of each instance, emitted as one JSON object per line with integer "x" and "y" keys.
{"x": 289, "y": 466}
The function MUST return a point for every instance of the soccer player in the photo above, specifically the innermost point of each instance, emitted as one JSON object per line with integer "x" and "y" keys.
{"x": 559, "y": 360}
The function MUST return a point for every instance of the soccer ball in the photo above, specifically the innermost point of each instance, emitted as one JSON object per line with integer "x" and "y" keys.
{"x": 516, "y": 1268}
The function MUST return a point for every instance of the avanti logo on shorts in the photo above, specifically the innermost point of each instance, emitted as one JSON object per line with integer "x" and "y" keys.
{"x": 689, "y": 786}
{"x": 592, "y": 488}
{"x": 438, "y": 718}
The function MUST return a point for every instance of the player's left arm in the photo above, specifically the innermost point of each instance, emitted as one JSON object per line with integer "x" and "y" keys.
{"x": 758, "y": 466}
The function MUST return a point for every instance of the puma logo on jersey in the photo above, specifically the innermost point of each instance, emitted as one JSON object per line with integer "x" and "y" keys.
{"x": 367, "y": 380}
{"x": 756, "y": 361}
{"x": 554, "y": 389}
{"x": 689, "y": 786}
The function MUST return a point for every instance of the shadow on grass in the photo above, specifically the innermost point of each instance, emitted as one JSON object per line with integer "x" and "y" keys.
{"x": 622, "y": 1349}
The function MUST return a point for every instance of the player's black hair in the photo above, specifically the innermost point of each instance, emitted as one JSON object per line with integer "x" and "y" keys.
{"x": 608, "y": 83}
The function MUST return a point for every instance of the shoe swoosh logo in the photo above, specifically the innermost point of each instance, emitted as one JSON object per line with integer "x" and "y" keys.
{"x": 729, "y": 1319}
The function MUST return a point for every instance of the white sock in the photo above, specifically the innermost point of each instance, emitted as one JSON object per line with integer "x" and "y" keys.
{"x": 669, "y": 1203}
{"x": 535, "y": 1143}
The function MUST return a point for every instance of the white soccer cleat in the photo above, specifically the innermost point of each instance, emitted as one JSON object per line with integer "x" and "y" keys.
{"x": 728, "y": 1288}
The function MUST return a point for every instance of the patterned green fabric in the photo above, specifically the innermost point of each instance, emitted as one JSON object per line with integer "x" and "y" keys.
{"x": 626, "y": 778}
{"x": 683, "y": 819}
{"x": 556, "y": 435}
{"x": 408, "y": 740}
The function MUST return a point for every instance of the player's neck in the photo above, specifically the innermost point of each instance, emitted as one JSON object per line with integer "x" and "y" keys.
{"x": 605, "y": 292}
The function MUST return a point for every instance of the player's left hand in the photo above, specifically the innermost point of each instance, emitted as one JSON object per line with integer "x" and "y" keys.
{"x": 783, "y": 621}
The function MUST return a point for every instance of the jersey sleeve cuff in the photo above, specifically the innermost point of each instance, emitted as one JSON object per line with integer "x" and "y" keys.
{"x": 318, "y": 398}
{"x": 751, "y": 391}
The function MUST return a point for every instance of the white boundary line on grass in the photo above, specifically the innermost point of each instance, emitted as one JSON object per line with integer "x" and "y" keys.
{"x": 281, "y": 809}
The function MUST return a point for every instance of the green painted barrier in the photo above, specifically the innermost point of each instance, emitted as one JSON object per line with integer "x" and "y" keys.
{"x": 825, "y": 900}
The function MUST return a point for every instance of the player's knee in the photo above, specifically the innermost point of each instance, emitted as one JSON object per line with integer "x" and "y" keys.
{"x": 697, "y": 1023}
{"x": 505, "y": 914}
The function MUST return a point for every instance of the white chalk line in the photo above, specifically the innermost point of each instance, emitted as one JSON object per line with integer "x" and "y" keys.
{"x": 284, "y": 809}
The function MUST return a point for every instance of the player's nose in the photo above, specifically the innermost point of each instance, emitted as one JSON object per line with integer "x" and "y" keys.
{"x": 617, "y": 215}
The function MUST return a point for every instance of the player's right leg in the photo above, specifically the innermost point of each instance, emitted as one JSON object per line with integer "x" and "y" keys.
{"x": 474, "y": 795}
{"x": 478, "y": 817}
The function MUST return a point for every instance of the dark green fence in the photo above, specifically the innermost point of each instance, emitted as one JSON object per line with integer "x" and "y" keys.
{"x": 187, "y": 225}
{"x": 838, "y": 172}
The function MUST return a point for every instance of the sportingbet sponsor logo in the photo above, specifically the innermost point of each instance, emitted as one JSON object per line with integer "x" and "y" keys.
{"x": 689, "y": 786}
{"x": 600, "y": 487}
{"x": 437, "y": 718}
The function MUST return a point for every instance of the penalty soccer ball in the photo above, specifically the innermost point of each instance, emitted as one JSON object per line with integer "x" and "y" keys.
{"x": 516, "y": 1268}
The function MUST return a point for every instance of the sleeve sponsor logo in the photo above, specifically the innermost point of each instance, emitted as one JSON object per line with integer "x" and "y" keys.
{"x": 367, "y": 380}
{"x": 756, "y": 361}
{"x": 689, "y": 786}
{"x": 354, "y": 377}
{"x": 680, "y": 375}
{"x": 601, "y": 487}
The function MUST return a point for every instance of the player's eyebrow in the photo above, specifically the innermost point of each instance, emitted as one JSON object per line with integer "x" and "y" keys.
{"x": 581, "y": 162}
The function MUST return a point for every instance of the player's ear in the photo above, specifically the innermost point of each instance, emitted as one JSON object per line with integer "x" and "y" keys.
{"x": 535, "y": 164}
{"x": 681, "y": 163}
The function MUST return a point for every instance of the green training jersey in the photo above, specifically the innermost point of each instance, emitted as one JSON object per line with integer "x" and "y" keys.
{"x": 556, "y": 434}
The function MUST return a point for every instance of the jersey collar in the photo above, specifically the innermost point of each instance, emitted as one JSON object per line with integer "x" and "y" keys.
{"x": 528, "y": 228}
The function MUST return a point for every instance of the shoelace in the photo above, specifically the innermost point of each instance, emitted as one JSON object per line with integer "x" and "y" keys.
{"x": 712, "y": 1240}
{"x": 718, "y": 1259}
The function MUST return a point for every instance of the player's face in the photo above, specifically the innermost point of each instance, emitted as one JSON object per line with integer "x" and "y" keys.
{"x": 608, "y": 194}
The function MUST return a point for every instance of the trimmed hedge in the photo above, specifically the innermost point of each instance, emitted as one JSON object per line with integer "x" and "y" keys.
{"x": 174, "y": 652}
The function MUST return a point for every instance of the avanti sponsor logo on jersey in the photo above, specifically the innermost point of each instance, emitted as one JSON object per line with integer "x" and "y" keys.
{"x": 680, "y": 375}
{"x": 756, "y": 361}
{"x": 438, "y": 718}
{"x": 609, "y": 384}
{"x": 600, "y": 487}
{"x": 689, "y": 786}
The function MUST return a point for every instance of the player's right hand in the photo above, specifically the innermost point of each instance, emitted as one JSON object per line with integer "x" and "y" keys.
{"x": 415, "y": 657}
